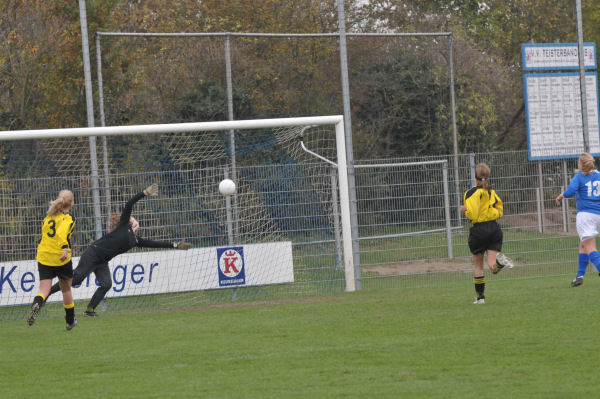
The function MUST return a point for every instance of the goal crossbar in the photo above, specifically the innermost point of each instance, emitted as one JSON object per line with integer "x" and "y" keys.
{"x": 171, "y": 128}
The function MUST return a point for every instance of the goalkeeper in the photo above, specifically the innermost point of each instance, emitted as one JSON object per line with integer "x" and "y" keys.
{"x": 121, "y": 239}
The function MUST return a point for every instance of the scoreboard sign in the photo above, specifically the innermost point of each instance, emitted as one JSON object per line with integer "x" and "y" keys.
{"x": 553, "y": 100}
{"x": 553, "y": 107}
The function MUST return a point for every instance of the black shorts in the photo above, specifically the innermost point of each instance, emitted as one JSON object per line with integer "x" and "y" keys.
{"x": 64, "y": 272}
{"x": 484, "y": 236}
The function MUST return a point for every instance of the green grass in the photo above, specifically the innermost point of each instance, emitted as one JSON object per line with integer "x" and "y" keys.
{"x": 534, "y": 338}
{"x": 525, "y": 246}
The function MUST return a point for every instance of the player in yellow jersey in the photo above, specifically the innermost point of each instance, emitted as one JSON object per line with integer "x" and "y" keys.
{"x": 54, "y": 256}
{"x": 482, "y": 206}
{"x": 123, "y": 237}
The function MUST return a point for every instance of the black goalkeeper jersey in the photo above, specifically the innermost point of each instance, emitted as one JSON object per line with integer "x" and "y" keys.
{"x": 122, "y": 238}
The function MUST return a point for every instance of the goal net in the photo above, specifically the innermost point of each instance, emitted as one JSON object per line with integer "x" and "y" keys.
{"x": 284, "y": 233}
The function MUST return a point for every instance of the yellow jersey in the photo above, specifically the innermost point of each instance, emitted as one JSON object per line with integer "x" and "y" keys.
{"x": 56, "y": 235}
{"x": 482, "y": 205}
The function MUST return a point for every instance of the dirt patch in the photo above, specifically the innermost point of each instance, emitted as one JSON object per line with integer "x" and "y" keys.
{"x": 418, "y": 267}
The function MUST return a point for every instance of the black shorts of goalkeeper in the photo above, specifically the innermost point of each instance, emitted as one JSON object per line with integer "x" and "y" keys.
{"x": 64, "y": 272}
{"x": 484, "y": 236}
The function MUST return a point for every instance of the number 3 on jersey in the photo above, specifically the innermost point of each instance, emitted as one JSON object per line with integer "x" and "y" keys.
{"x": 52, "y": 231}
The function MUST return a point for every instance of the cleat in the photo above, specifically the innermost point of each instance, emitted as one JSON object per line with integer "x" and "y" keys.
{"x": 90, "y": 314}
{"x": 577, "y": 281}
{"x": 502, "y": 261}
{"x": 35, "y": 308}
{"x": 479, "y": 301}
{"x": 70, "y": 326}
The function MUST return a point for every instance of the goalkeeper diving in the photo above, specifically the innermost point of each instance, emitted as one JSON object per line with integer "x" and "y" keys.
{"x": 123, "y": 237}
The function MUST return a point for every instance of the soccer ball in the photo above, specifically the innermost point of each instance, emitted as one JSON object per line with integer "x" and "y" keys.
{"x": 227, "y": 187}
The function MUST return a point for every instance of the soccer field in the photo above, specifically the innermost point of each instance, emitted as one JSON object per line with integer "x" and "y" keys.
{"x": 534, "y": 338}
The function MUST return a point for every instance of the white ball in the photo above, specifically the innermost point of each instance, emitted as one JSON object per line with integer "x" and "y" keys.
{"x": 227, "y": 187}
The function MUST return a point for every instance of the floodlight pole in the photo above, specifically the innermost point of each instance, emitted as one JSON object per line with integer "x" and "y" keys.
{"x": 90, "y": 116}
{"x": 103, "y": 138}
{"x": 231, "y": 116}
{"x": 349, "y": 146}
{"x": 454, "y": 133}
{"x": 584, "y": 115}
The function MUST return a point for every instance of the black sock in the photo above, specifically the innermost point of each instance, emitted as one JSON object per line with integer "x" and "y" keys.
{"x": 479, "y": 286}
{"x": 70, "y": 315}
{"x": 39, "y": 299}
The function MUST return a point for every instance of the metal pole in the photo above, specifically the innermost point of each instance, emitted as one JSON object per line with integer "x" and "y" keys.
{"x": 336, "y": 219}
{"x": 454, "y": 134}
{"x": 228, "y": 211}
{"x": 472, "y": 167}
{"x": 90, "y": 117}
{"x": 447, "y": 211}
{"x": 229, "y": 226}
{"x": 564, "y": 211}
{"x": 103, "y": 138}
{"x": 231, "y": 132}
{"x": 541, "y": 210}
{"x": 584, "y": 116}
{"x": 349, "y": 147}
{"x": 566, "y": 200}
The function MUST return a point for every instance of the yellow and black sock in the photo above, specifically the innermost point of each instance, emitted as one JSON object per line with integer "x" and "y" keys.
{"x": 479, "y": 286}
{"x": 70, "y": 312}
{"x": 39, "y": 298}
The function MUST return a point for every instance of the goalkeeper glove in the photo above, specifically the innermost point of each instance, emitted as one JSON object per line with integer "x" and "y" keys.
{"x": 182, "y": 245}
{"x": 151, "y": 190}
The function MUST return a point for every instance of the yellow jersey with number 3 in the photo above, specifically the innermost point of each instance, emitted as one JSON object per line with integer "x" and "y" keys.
{"x": 56, "y": 235}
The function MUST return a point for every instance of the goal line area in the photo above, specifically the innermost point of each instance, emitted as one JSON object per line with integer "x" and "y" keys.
{"x": 284, "y": 232}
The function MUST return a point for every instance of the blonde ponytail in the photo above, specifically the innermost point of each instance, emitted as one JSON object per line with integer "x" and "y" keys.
{"x": 59, "y": 205}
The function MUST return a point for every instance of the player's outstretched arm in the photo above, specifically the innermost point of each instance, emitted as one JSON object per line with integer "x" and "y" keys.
{"x": 151, "y": 190}
{"x": 142, "y": 242}
{"x": 182, "y": 245}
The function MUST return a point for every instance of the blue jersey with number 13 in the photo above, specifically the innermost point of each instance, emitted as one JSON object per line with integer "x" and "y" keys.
{"x": 587, "y": 188}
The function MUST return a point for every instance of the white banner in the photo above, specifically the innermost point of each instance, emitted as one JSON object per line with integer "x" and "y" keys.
{"x": 554, "y": 56}
{"x": 158, "y": 272}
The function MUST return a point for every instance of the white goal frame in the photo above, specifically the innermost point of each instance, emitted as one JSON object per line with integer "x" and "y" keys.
{"x": 336, "y": 120}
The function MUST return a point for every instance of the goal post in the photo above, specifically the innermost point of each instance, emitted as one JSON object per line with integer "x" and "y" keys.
{"x": 285, "y": 208}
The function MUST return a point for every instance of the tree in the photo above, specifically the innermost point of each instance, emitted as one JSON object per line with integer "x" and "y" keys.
{"x": 397, "y": 108}
{"x": 208, "y": 102}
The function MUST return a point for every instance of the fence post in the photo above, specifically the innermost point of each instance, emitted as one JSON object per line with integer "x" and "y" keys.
{"x": 566, "y": 201}
{"x": 336, "y": 219}
{"x": 472, "y": 167}
{"x": 539, "y": 209}
{"x": 447, "y": 210}
{"x": 564, "y": 211}
{"x": 540, "y": 198}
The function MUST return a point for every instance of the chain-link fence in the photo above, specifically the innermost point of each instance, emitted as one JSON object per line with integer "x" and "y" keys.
{"x": 410, "y": 229}
{"x": 405, "y": 230}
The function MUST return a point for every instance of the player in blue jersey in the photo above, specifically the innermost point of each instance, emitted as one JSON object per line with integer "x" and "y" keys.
{"x": 586, "y": 187}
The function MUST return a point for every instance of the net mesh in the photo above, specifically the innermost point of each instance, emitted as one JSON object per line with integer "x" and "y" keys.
{"x": 284, "y": 195}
